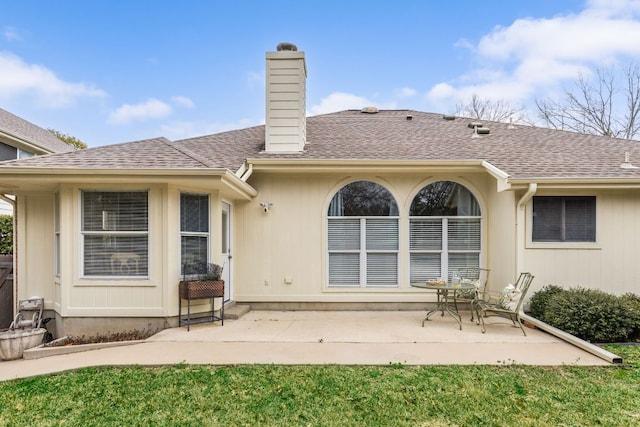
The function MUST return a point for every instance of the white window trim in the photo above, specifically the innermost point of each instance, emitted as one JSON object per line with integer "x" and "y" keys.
{"x": 115, "y": 233}
{"x": 207, "y": 234}
{"x": 444, "y": 250}
{"x": 363, "y": 253}
{"x": 530, "y": 244}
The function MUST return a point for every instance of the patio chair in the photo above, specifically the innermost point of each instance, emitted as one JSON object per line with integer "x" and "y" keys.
{"x": 476, "y": 275}
{"x": 508, "y": 304}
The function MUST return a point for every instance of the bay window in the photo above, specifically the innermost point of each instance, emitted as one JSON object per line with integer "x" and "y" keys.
{"x": 194, "y": 229}
{"x": 115, "y": 233}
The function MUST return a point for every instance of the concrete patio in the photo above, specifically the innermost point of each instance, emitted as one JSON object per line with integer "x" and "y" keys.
{"x": 327, "y": 337}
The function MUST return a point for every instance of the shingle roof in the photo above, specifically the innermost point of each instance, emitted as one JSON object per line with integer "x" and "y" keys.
{"x": 156, "y": 153}
{"x": 520, "y": 151}
{"x": 16, "y": 126}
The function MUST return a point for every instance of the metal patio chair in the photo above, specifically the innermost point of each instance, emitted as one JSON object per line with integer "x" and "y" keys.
{"x": 479, "y": 277}
{"x": 508, "y": 304}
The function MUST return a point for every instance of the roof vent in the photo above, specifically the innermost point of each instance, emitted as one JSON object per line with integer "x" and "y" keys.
{"x": 409, "y": 117}
{"x": 627, "y": 163}
{"x": 472, "y": 125}
{"x": 482, "y": 131}
{"x": 369, "y": 110}
{"x": 448, "y": 117}
{"x": 290, "y": 47}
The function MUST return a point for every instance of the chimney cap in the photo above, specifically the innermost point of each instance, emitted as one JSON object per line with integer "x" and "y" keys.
{"x": 286, "y": 47}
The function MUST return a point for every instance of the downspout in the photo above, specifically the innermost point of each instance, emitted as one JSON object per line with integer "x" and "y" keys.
{"x": 521, "y": 236}
{"x": 247, "y": 173}
{"x": 520, "y": 225}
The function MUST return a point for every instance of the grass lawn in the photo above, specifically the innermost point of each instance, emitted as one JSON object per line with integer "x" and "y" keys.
{"x": 394, "y": 395}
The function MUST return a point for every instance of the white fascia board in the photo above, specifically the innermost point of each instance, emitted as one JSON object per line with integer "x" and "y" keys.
{"x": 154, "y": 175}
{"x": 502, "y": 178}
{"x": 23, "y": 144}
{"x": 363, "y": 165}
{"x": 578, "y": 183}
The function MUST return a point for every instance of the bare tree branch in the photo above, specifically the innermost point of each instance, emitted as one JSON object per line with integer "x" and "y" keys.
{"x": 493, "y": 110}
{"x": 599, "y": 107}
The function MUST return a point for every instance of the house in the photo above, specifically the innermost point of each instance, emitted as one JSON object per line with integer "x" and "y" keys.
{"x": 341, "y": 210}
{"x": 20, "y": 139}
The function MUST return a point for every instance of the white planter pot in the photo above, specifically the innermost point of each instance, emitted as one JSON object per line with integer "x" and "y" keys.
{"x": 14, "y": 342}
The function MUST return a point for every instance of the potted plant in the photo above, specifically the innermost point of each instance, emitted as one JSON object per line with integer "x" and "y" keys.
{"x": 201, "y": 280}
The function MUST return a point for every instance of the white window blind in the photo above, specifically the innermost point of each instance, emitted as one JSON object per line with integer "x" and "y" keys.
{"x": 115, "y": 231}
{"x": 194, "y": 229}
{"x": 444, "y": 231}
{"x": 363, "y": 236}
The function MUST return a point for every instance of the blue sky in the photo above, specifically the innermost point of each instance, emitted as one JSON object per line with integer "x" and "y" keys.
{"x": 116, "y": 71}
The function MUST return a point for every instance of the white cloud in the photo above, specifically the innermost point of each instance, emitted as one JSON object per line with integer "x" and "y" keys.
{"x": 175, "y": 130}
{"x": 147, "y": 110}
{"x": 11, "y": 34}
{"x": 18, "y": 79}
{"x": 405, "y": 92}
{"x": 533, "y": 56}
{"x": 339, "y": 101}
{"x": 182, "y": 101}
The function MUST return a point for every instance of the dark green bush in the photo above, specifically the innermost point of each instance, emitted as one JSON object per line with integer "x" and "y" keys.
{"x": 632, "y": 301}
{"x": 591, "y": 314}
{"x": 6, "y": 234}
{"x": 540, "y": 299}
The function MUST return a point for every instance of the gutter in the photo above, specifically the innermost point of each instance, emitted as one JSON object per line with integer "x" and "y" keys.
{"x": 578, "y": 342}
{"x": 246, "y": 173}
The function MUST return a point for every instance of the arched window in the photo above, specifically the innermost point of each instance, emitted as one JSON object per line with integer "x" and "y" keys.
{"x": 363, "y": 236}
{"x": 444, "y": 231}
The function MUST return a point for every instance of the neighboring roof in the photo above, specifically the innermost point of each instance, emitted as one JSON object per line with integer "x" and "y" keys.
{"x": 520, "y": 151}
{"x": 156, "y": 153}
{"x": 31, "y": 134}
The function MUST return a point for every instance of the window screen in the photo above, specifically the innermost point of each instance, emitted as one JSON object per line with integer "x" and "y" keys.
{"x": 564, "y": 219}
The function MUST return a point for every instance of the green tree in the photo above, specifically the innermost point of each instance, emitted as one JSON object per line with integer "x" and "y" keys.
{"x": 6, "y": 234}
{"x": 71, "y": 140}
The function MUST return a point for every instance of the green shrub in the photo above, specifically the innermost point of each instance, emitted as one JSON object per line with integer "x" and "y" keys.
{"x": 540, "y": 299}
{"x": 6, "y": 234}
{"x": 591, "y": 314}
{"x": 632, "y": 301}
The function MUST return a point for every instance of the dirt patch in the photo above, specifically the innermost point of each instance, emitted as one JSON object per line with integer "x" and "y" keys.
{"x": 101, "y": 338}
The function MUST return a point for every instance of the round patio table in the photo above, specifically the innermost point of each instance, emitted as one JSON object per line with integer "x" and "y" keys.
{"x": 442, "y": 304}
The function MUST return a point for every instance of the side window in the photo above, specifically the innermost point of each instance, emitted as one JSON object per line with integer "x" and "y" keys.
{"x": 115, "y": 233}
{"x": 194, "y": 229}
{"x": 444, "y": 233}
{"x": 564, "y": 219}
{"x": 363, "y": 236}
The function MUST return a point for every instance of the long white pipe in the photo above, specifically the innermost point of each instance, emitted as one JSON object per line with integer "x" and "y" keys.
{"x": 587, "y": 346}
{"x": 521, "y": 231}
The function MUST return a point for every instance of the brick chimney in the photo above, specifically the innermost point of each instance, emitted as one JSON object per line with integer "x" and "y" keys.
{"x": 286, "y": 129}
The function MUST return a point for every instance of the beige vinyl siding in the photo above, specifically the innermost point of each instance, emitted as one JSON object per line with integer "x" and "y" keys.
{"x": 610, "y": 264}
{"x": 290, "y": 241}
{"x": 35, "y": 246}
{"x": 86, "y": 296}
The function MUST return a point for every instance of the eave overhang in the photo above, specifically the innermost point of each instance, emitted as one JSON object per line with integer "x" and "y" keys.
{"x": 576, "y": 183}
{"x": 379, "y": 166}
{"x": 23, "y": 144}
{"x": 20, "y": 179}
